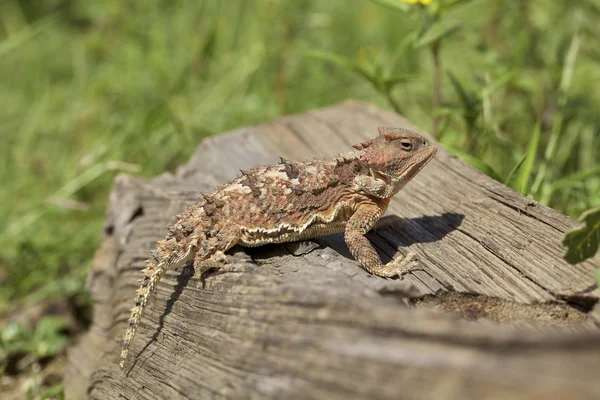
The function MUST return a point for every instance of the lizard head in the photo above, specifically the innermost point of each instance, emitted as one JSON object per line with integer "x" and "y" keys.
{"x": 397, "y": 154}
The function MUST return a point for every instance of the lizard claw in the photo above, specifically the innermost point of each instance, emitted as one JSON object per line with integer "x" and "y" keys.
{"x": 215, "y": 262}
{"x": 399, "y": 266}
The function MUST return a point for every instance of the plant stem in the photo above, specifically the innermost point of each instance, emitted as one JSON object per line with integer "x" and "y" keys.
{"x": 557, "y": 125}
{"x": 437, "y": 84}
{"x": 393, "y": 103}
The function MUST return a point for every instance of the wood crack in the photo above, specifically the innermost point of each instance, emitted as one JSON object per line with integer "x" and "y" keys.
{"x": 505, "y": 262}
{"x": 520, "y": 210}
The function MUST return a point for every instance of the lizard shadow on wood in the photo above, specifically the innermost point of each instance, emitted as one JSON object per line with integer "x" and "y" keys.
{"x": 400, "y": 232}
{"x": 182, "y": 280}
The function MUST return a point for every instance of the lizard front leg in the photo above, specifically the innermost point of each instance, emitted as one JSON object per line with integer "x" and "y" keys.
{"x": 359, "y": 224}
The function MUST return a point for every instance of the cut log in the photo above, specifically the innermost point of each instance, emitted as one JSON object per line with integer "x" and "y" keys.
{"x": 494, "y": 312}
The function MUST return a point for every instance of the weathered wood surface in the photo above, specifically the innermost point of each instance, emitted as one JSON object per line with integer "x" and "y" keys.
{"x": 294, "y": 321}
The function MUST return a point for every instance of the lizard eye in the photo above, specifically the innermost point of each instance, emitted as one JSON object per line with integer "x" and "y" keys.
{"x": 406, "y": 144}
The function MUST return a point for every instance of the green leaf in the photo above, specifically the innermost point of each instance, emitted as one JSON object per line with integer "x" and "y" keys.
{"x": 569, "y": 64}
{"x": 14, "y": 338}
{"x": 437, "y": 33}
{"x": 46, "y": 340}
{"x": 513, "y": 171}
{"x": 28, "y": 33}
{"x": 346, "y": 64}
{"x": 477, "y": 163}
{"x": 576, "y": 178}
{"x": 447, "y": 110}
{"x": 455, "y": 3}
{"x": 53, "y": 392}
{"x": 582, "y": 243}
{"x": 48, "y": 337}
{"x": 390, "y": 82}
{"x": 396, "y": 5}
{"x": 522, "y": 182}
{"x": 466, "y": 99}
{"x": 406, "y": 44}
{"x": 500, "y": 82}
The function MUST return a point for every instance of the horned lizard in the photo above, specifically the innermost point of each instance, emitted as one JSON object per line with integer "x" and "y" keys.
{"x": 292, "y": 201}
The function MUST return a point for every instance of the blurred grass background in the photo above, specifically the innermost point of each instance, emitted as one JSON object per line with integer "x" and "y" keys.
{"x": 91, "y": 88}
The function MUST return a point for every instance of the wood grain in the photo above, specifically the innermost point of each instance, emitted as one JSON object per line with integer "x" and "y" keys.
{"x": 494, "y": 313}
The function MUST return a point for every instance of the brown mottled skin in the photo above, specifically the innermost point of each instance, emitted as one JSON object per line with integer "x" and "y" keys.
{"x": 293, "y": 201}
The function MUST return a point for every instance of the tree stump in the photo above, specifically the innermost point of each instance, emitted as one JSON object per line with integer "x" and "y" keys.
{"x": 494, "y": 312}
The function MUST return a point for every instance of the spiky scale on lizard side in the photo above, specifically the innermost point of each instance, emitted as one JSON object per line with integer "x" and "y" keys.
{"x": 292, "y": 201}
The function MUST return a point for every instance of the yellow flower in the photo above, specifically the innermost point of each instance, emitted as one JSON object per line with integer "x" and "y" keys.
{"x": 424, "y": 2}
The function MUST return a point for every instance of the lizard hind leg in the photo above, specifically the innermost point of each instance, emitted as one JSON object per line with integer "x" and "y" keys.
{"x": 213, "y": 250}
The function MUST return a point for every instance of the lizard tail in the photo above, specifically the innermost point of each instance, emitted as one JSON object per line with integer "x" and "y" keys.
{"x": 153, "y": 272}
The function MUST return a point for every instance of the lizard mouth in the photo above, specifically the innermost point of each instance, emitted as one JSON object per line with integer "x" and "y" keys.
{"x": 417, "y": 166}
{"x": 409, "y": 170}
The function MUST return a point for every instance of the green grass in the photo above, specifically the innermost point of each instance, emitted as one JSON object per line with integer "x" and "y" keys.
{"x": 88, "y": 89}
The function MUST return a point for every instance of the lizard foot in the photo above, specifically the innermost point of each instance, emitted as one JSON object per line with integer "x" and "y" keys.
{"x": 215, "y": 262}
{"x": 398, "y": 266}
